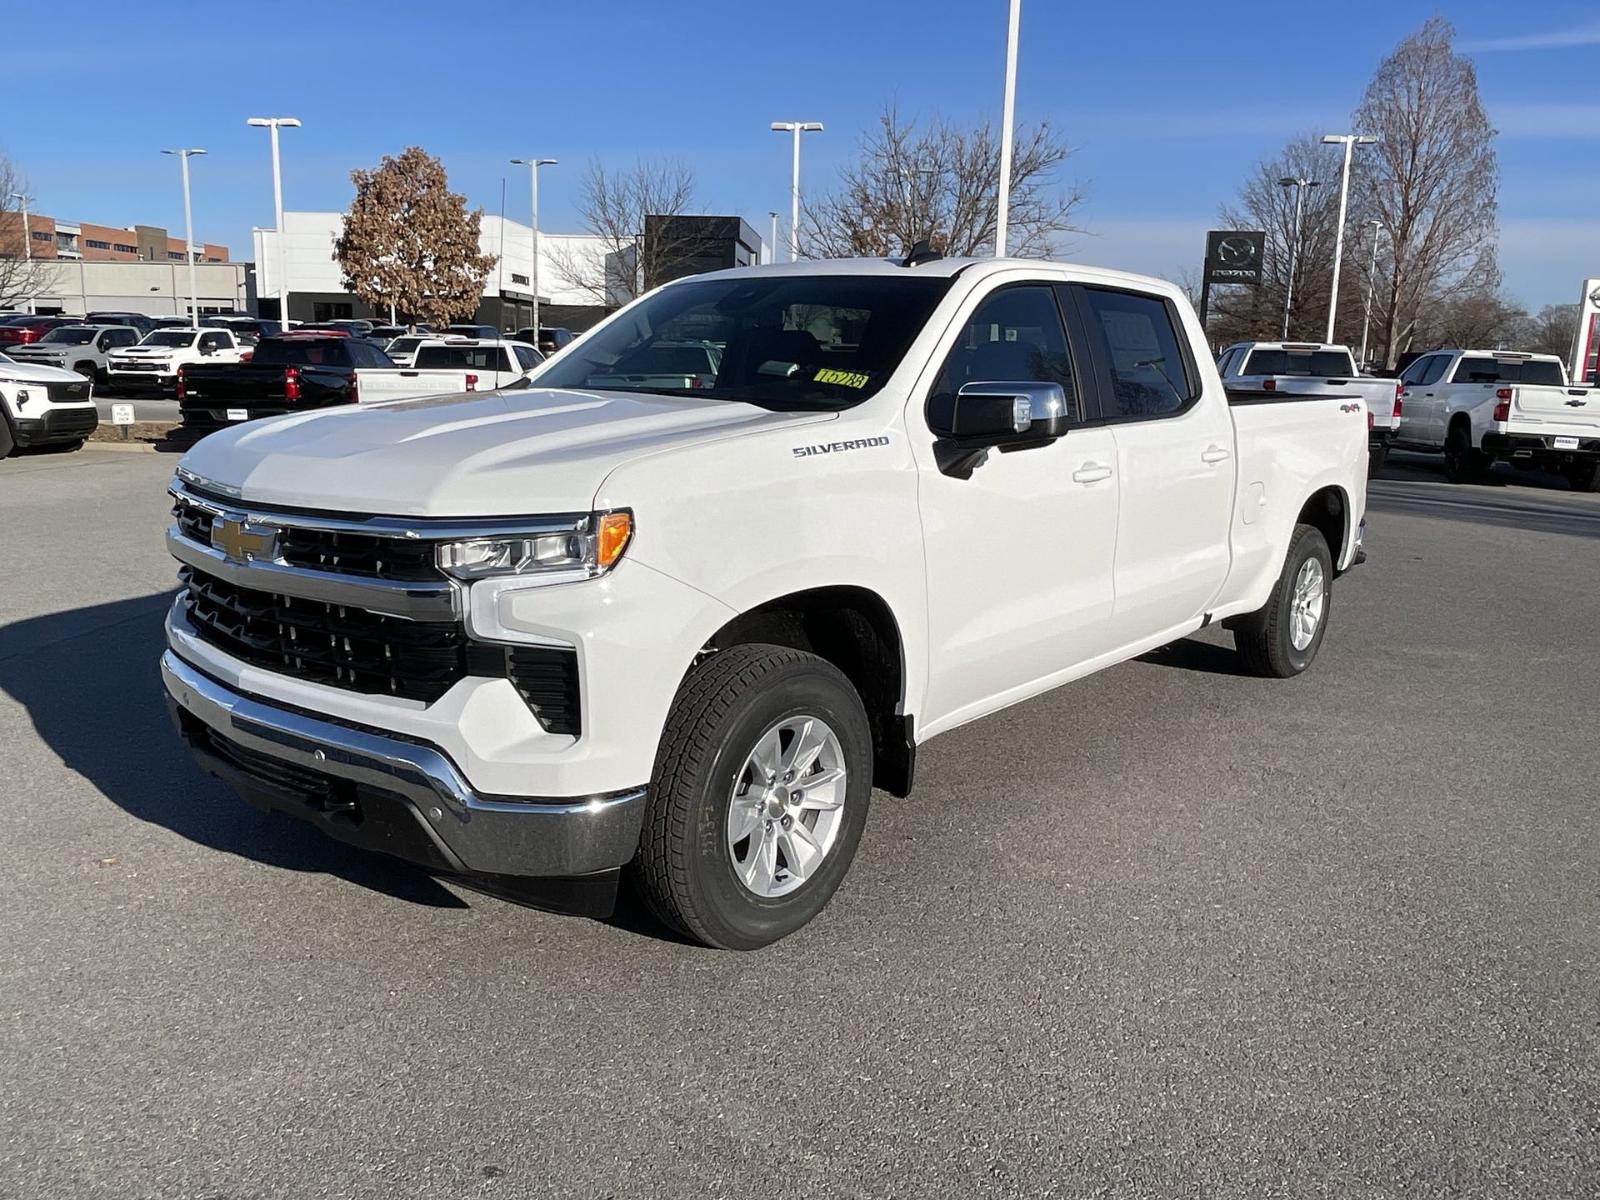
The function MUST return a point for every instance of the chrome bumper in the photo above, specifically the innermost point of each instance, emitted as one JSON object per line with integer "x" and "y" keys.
{"x": 403, "y": 798}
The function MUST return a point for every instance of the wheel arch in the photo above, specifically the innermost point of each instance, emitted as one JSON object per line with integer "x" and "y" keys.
{"x": 855, "y": 629}
{"x": 1328, "y": 510}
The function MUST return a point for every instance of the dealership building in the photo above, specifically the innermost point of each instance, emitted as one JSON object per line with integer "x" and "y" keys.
{"x": 575, "y": 288}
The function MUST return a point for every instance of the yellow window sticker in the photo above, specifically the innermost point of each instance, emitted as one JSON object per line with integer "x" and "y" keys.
{"x": 849, "y": 379}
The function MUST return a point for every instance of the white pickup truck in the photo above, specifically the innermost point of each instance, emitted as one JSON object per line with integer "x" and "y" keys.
{"x": 1476, "y": 406}
{"x": 449, "y": 366}
{"x": 1316, "y": 369}
{"x": 43, "y": 406}
{"x": 563, "y": 631}
{"x": 154, "y": 364}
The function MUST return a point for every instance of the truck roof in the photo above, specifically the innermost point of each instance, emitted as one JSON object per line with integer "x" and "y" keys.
{"x": 1513, "y": 355}
{"x": 939, "y": 267}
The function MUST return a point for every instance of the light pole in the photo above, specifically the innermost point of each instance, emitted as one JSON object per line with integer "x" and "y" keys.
{"x": 1350, "y": 141}
{"x": 796, "y": 128}
{"x": 274, "y": 123}
{"x": 533, "y": 165}
{"x": 1300, "y": 184}
{"x": 1007, "y": 121}
{"x": 27, "y": 242}
{"x": 772, "y": 253}
{"x": 1366, "y": 310}
{"x": 188, "y": 235}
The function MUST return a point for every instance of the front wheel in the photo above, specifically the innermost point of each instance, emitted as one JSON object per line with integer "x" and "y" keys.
{"x": 758, "y": 799}
{"x": 1281, "y": 637}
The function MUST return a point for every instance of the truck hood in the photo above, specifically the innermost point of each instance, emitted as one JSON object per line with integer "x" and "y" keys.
{"x": 484, "y": 454}
{"x": 28, "y": 372}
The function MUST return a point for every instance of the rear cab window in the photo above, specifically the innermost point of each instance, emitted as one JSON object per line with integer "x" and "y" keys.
{"x": 1312, "y": 364}
{"x": 312, "y": 352}
{"x": 1482, "y": 368}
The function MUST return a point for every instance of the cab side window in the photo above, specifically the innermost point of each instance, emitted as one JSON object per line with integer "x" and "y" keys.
{"x": 1144, "y": 371}
{"x": 1014, "y": 336}
{"x": 1413, "y": 374}
{"x": 212, "y": 341}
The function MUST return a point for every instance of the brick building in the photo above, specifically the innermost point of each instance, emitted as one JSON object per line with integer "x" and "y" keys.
{"x": 52, "y": 238}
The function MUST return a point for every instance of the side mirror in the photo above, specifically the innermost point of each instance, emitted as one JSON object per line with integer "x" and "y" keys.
{"x": 1004, "y": 415}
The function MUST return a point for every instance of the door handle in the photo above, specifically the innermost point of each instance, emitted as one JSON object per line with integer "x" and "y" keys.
{"x": 1215, "y": 454}
{"x": 1091, "y": 472}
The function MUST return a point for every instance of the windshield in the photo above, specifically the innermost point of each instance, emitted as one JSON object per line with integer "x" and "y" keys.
{"x": 781, "y": 342}
{"x": 169, "y": 337}
{"x": 1320, "y": 364}
{"x": 1483, "y": 369}
{"x": 69, "y": 334}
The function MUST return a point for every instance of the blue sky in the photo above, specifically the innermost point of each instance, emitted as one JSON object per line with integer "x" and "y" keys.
{"x": 1167, "y": 103}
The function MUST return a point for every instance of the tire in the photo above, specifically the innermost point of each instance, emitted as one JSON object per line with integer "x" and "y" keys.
{"x": 1376, "y": 457}
{"x": 1584, "y": 477}
{"x": 1266, "y": 638}
{"x": 8, "y": 441}
{"x": 87, "y": 370}
{"x": 1463, "y": 463}
{"x": 688, "y": 863}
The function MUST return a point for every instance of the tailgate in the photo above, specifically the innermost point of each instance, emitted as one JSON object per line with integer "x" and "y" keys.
{"x": 234, "y": 384}
{"x": 1546, "y": 409}
{"x": 377, "y": 384}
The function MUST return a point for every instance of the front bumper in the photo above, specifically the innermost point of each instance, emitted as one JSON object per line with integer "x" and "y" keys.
{"x": 57, "y": 425}
{"x": 402, "y": 797}
{"x": 127, "y": 379}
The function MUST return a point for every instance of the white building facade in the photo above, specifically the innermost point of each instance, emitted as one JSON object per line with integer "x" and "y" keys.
{"x": 572, "y": 273}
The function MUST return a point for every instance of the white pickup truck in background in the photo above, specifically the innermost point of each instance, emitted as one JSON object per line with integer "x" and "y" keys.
{"x": 1316, "y": 369}
{"x": 447, "y": 366}
{"x": 155, "y": 362}
{"x": 1476, "y": 406}
{"x": 686, "y": 630}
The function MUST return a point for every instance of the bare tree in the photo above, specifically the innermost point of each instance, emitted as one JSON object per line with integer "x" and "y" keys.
{"x": 21, "y": 279}
{"x": 1432, "y": 181}
{"x": 1552, "y": 330}
{"x": 1256, "y": 313}
{"x": 615, "y": 205}
{"x": 1484, "y": 319}
{"x": 941, "y": 182}
{"x": 409, "y": 241}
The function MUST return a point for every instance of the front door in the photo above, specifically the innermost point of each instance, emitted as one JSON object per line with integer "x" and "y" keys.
{"x": 1020, "y": 554}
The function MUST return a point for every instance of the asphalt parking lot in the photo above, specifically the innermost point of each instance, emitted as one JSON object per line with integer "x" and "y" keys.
{"x": 1167, "y": 932}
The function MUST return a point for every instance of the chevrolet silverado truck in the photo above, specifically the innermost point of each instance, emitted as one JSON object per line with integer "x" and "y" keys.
{"x": 43, "y": 406}
{"x": 1316, "y": 368}
{"x": 1477, "y": 406}
{"x": 154, "y": 364}
{"x": 287, "y": 373}
{"x": 85, "y": 349}
{"x": 683, "y": 633}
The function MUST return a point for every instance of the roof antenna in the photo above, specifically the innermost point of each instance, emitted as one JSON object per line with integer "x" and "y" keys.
{"x": 920, "y": 253}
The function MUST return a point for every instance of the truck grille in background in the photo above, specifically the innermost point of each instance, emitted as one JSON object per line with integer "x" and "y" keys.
{"x": 327, "y": 643}
{"x": 68, "y": 393}
{"x": 546, "y": 677}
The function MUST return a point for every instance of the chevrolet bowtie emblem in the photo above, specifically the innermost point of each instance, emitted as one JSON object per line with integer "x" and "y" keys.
{"x": 242, "y": 541}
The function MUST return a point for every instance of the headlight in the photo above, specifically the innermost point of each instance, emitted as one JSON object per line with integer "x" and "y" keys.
{"x": 557, "y": 557}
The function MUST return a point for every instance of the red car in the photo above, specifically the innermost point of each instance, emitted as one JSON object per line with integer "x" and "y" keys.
{"x": 20, "y": 331}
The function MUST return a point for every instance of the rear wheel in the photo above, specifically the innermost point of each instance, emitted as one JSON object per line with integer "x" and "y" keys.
{"x": 1463, "y": 463}
{"x": 759, "y": 797}
{"x": 1281, "y": 638}
{"x": 1584, "y": 476}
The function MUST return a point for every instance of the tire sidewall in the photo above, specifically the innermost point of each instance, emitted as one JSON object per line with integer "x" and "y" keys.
{"x": 736, "y": 917}
{"x": 1309, "y": 543}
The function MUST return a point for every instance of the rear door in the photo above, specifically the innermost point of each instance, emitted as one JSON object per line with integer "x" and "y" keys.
{"x": 1174, "y": 459}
